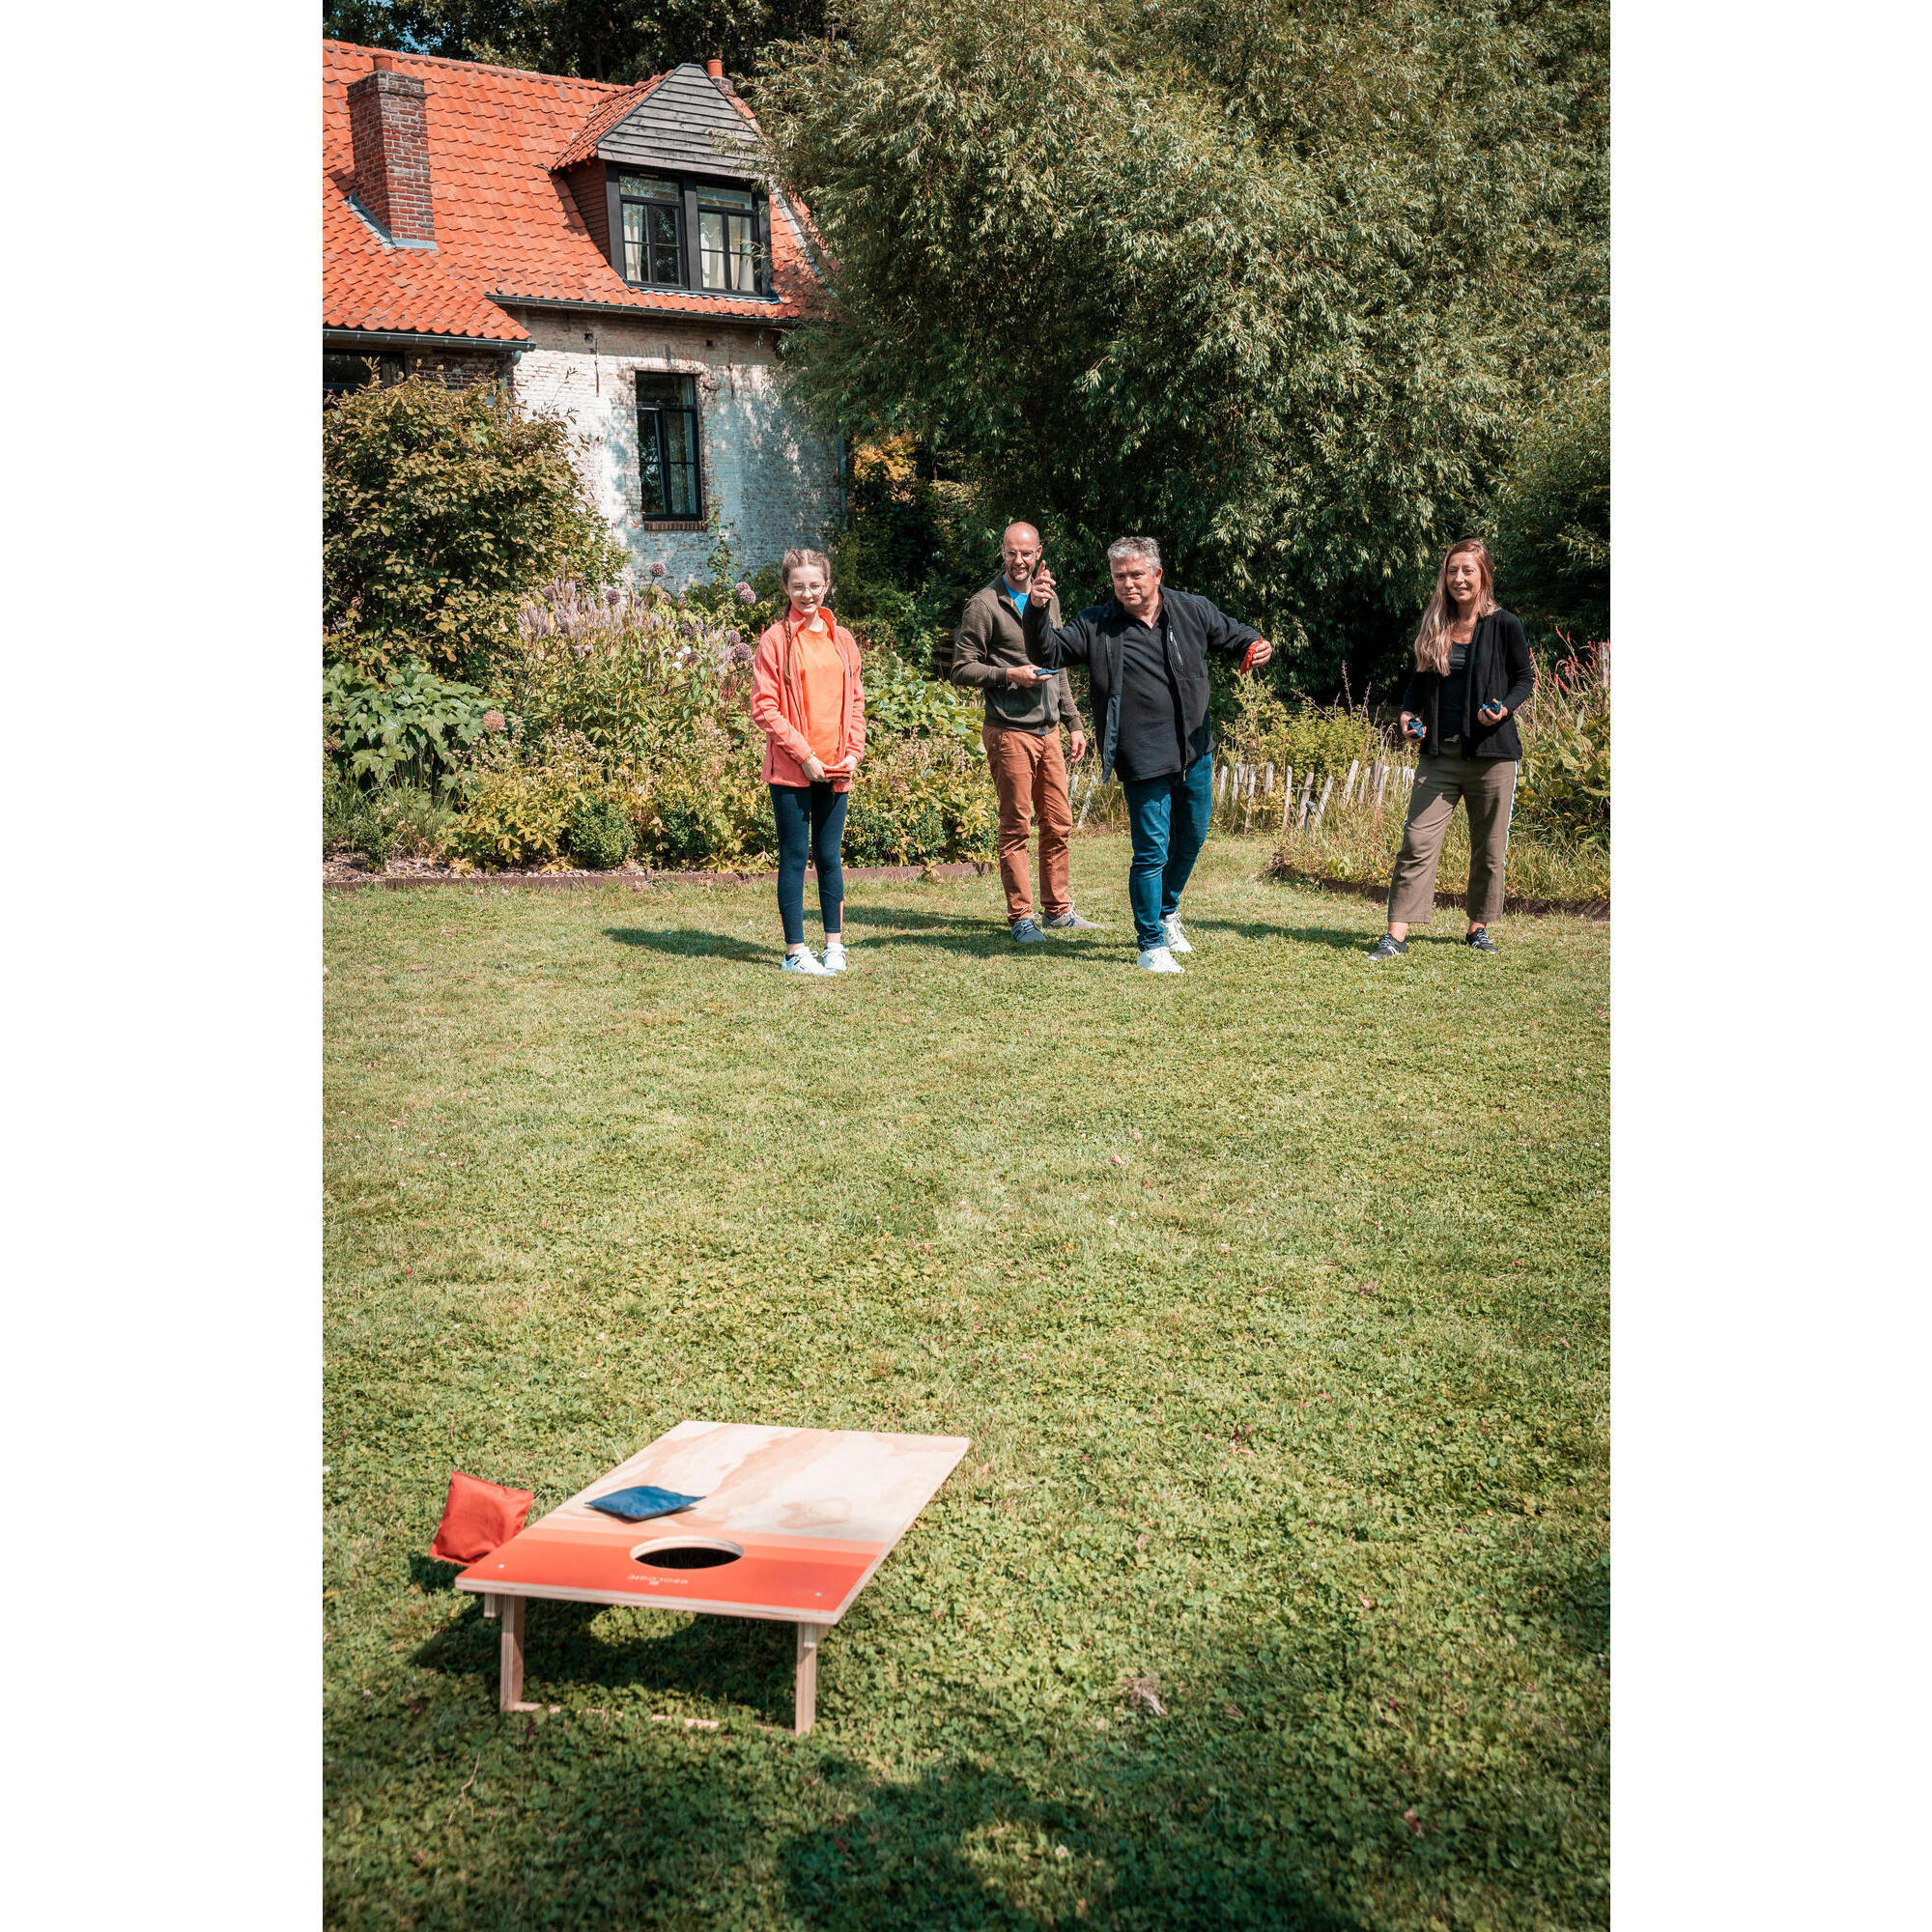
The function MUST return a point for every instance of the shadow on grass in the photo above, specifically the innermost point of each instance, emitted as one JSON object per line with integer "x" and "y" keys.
{"x": 689, "y": 943}
{"x": 744, "y": 1661}
{"x": 1336, "y": 939}
{"x": 432, "y": 1576}
{"x": 894, "y": 928}
{"x": 1014, "y": 1825}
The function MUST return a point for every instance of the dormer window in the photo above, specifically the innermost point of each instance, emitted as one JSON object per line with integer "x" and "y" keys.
{"x": 650, "y": 238}
{"x": 727, "y": 239}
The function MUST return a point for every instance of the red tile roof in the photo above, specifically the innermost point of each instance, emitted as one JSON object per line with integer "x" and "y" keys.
{"x": 505, "y": 224}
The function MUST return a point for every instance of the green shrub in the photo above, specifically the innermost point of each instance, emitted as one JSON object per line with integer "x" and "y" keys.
{"x": 597, "y": 830}
{"x": 901, "y": 701}
{"x": 1563, "y": 783}
{"x": 442, "y": 510}
{"x": 513, "y": 814}
{"x": 400, "y": 821}
{"x": 918, "y": 801}
{"x": 412, "y": 726}
{"x": 629, "y": 672}
{"x": 1324, "y": 740}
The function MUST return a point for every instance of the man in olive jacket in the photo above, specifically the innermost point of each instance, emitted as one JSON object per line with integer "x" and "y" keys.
{"x": 1146, "y": 649}
{"x": 1025, "y": 709}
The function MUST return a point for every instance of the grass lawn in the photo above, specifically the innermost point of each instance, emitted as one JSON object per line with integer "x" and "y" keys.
{"x": 1274, "y": 1299}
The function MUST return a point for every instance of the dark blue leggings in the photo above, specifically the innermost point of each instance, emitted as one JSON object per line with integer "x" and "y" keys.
{"x": 811, "y": 819}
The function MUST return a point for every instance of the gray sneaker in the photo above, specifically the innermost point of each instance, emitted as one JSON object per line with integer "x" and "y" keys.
{"x": 1072, "y": 922}
{"x": 1388, "y": 946}
{"x": 1027, "y": 931}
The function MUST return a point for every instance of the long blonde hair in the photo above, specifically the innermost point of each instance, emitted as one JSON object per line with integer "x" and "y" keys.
{"x": 1431, "y": 636}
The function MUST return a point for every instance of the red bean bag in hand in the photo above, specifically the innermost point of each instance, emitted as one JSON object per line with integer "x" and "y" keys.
{"x": 478, "y": 1517}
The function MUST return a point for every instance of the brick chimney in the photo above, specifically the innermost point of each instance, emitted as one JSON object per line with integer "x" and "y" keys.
{"x": 715, "y": 69}
{"x": 390, "y": 132}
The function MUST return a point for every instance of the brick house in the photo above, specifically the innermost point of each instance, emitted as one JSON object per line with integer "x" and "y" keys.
{"x": 609, "y": 251}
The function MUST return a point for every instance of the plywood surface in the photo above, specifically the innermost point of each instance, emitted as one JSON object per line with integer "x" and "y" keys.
{"x": 815, "y": 1510}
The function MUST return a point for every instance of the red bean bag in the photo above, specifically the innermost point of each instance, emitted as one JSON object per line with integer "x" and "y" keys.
{"x": 478, "y": 1517}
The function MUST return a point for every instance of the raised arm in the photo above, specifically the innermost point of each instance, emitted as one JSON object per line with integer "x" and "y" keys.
{"x": 1054, "y": 646}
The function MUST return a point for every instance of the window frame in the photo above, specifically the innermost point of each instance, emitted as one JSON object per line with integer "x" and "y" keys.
{"x": 617, "y": 201}
{"x": 742, "y": 207}
{"x": 661, "y": 410}
{"x": 391, "y": 369}
{"x": 695, "y": 195}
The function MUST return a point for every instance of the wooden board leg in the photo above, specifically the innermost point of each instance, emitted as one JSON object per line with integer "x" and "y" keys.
{"x": 489, "y": 1605}
{"x": 804, "y": 1699}
{"x": 510, "y": 1673}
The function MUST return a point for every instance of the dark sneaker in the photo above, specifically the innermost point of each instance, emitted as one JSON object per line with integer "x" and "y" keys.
{"x": 1072, "y": 922}
{"x": 1027, "y": 931}
{"x": 1388, "y": 947}
{"x": 1481, "y": 942}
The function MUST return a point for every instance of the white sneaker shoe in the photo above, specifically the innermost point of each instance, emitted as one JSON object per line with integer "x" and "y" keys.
{"x": 804, "y": 962}
{"x": 1177, "y": 940}
{"x": 1158, "y": 959}
{"x": 834, "y": 956}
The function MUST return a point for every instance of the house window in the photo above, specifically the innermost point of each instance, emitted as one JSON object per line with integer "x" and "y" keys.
{"x": 668, "y": 446}
{"x": 341, "y": 375}
{"x": 727, "y": 240}
{"x": 651, "y": 252}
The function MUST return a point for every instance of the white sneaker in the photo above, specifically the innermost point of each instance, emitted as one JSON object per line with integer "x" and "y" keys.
{"x": 1177, "y": 940}
{"x": 834, "y": 956}
{"x": 1158, "y": 959}
{"x": 804, "y": 962}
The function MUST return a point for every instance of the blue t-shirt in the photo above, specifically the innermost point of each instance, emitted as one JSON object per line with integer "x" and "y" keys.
{"x": 1019, "y": 597}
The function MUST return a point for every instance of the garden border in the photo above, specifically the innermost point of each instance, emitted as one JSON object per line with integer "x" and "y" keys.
{"x": 637, "y": 881}
{"x": 1598, "y": 909}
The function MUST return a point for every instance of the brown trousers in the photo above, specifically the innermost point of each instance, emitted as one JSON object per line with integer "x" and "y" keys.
{"x": 1486, "y": 786}
{"x": 1030, "y": 775}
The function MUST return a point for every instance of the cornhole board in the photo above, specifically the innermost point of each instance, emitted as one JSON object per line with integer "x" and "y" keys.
{"x": 792, "y": 1525}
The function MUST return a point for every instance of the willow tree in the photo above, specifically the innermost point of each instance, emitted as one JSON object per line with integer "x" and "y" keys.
{"x": 1281, "y": 284}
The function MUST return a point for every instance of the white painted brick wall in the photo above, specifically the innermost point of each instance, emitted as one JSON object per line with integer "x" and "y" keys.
{"x": 773, "y": 483}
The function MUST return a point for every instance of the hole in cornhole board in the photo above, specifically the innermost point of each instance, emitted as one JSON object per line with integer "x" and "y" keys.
{"x": 687, "y": 1552}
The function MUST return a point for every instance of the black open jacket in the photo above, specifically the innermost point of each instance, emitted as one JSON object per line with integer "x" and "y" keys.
{"x": 1499, "y": 667}
{"x": 1191, "y": 627}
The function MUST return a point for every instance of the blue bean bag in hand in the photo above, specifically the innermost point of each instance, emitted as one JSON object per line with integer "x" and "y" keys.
{"x": 640, "y": 1504}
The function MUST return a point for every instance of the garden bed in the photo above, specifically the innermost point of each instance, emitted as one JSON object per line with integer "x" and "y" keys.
{"x": 346, "y": 874}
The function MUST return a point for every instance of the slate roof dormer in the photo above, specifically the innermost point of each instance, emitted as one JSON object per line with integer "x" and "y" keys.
{"x": 670, "y": 126}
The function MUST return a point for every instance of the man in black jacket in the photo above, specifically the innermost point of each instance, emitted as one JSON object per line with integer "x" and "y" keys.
{"x": 1146, "y": 651}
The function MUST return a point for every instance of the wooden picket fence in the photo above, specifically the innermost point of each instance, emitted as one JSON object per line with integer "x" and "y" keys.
{"x": 1247, "y": 798}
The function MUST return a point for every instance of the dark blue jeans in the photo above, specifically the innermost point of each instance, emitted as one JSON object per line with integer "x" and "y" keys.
{"x": 1169, "y": 818}
{"x": 811, "y": 820}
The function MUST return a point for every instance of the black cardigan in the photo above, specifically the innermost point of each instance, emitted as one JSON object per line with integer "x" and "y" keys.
{"x": 1499, "y": 667}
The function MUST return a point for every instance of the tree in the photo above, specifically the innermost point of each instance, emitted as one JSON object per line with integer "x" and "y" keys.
{"x": 442, "y": 511}
{"x": 599, "y": 39}
{"x": 1553, "y": 519}
{"x": 1281, "y": 285}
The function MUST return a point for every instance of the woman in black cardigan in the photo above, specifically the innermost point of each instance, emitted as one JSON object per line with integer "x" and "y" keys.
{"x": 1473, "y": 673}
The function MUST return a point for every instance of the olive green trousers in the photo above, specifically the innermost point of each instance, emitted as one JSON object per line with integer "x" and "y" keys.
{"x": 1487, "y": 787}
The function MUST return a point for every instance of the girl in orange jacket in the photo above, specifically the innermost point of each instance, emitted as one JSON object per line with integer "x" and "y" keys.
{"x": 807, "y": 699}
